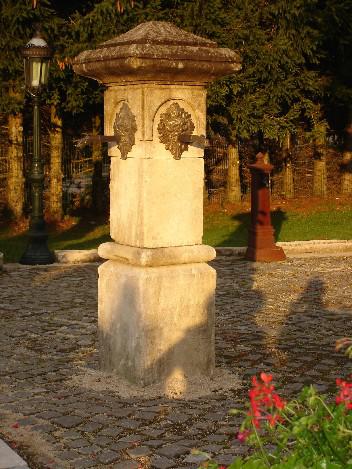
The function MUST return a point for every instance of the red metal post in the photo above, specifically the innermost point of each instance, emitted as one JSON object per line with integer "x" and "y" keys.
{"x": 261, "y": 244}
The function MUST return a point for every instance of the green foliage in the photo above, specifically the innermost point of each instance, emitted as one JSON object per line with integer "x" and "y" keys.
{"x": 277, "y": 87}
{"x": 313, "y": 434}
{"x": 296, "y": 56}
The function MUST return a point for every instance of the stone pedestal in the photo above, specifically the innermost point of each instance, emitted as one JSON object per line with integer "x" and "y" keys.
{"x": 156, "y": 292}
{"x": 261, "y": 243}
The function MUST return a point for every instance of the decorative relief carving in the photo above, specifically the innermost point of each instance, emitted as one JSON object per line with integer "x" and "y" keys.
{"x": 125, "y": 128}
{"x": 174, "y": 123}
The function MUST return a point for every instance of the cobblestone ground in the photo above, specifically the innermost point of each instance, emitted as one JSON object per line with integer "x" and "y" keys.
{"x": 280, "y": 317}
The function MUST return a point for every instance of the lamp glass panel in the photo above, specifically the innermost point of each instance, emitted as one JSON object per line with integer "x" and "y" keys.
{"x": 27, "y": 73}
{"x": 35, "y": 72}
{"x": 44, "y": 72}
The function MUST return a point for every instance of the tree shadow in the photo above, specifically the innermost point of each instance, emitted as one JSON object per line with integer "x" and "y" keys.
{"x": 238, "y": 334}
{"x": 306, "y": 340}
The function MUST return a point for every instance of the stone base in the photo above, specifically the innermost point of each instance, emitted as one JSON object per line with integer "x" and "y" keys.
{"x": 156, "y": 323}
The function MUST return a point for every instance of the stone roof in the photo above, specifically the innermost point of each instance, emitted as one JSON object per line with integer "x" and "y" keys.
{"x": 157, "y": 51}
{"x": 158, "y": 32}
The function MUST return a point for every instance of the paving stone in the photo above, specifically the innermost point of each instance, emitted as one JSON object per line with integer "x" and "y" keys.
{"x": 159, "y": 462}
{"x": 120, "y": 445}
{"x": 132, "y": 438}
{"x": 281, "y": 316}
{"x": 108, "y": 457}
{"x": 91, "y": 427}
{"x": 27, "y": 421}
{"x": 78, "y": 443}
{"x": 127, "y": 465}
{"x": 172, "y": 451}
{"x": 102, "y": 440}
{"x": 130, "y": 424}
{"x": 91, "y": 449}
{"x": 111, "y": 431}
{"x": 83, "y": 463}
{"x": 48, "y": 415}
{"x": 68, "y": 421}
{"x": 68, "y": 455}
{"x": 153, "y": 432}
{"x": 195, "y": 458}
{"x": 178, "y": 418}
{"x": 138, "y": 452}
{"x": 154, "y": 443}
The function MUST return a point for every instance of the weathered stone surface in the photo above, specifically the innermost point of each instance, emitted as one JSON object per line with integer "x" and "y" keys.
{"x": 148, "y": 103}
{"x": 9, "y": 459}
{"x": 145, "y": 257}
{"x": 185, "y": 57}
{"x": 146, "y": 333}
{"x": 155, "y": 101}
{"x": 1, "y": 261}
{"x": 76, "y": 256}
{"x": 156, "y": 203}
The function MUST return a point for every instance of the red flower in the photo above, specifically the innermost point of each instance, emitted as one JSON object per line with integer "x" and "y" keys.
{"x": 264, "y": 402}
{"x": 242, "y": 436}
{"x": 345, "y": 393}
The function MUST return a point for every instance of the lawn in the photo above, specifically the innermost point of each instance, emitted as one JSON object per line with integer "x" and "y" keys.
{"x": 226, "y": 229}
{"x": 81, "y": 234}
{"x": 227, "y": 226}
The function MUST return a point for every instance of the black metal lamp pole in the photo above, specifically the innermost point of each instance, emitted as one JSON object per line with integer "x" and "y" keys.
{"x": 36, "y": 55}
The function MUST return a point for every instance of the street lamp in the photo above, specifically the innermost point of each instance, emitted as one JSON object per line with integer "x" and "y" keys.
{"x": 36, "y": 54}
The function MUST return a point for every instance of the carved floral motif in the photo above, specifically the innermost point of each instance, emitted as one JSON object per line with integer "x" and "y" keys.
{"x": 174, "y": 123}
{"x": 125, "y": 128}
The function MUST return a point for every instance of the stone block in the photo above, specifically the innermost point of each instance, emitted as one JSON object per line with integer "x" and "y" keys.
{"x": 147, "y": 257}
{"x": 156, "y": 323}
{"x": 156, "y": 202}
{"x": 76, "y": 256}
{"x": 9, "y": 459}
{"x": 147, "y": 103}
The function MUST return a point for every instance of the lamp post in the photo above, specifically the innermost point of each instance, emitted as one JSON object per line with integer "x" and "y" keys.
{"x": 36, "y": 54}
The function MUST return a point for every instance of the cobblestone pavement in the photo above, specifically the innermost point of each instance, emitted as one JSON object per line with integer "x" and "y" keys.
{"x": 280, "y": 317}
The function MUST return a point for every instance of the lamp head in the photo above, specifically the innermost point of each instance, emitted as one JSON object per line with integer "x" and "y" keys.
{"x": 36, "y": 54}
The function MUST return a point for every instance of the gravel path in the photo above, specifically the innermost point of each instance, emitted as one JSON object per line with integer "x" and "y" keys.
{"x": 280, "y": 317}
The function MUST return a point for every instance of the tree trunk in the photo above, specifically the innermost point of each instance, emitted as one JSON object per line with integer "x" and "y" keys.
{"x": 319, "y": 170}
{"x": 56, "y": 146}
{"x": 288, "y": 170}
{"x": 15, "y": 178}
{"x": 346, "y": 180}
{"x": 233, "y": 189}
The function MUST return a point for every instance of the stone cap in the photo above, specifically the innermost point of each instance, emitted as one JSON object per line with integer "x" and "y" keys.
{"x": 260, "y": 164}
{"x": 157, "y": 51}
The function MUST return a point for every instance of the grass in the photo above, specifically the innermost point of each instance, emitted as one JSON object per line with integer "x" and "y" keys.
{"x": 297, "y": 220}
{"x": 224, "y": 229}
{"x": 80, "y": 235}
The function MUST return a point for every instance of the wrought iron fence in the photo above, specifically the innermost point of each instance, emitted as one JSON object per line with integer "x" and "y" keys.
{"x": 79, "y": 170}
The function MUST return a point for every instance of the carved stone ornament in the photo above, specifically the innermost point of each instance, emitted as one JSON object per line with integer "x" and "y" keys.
{"x": 174, "y": 122}
{"x": 125, "y": 128}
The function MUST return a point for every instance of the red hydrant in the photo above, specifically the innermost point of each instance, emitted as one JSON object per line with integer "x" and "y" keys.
{"x": 261, "y": 244}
